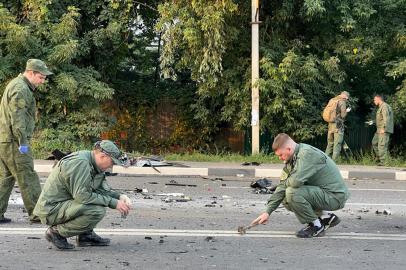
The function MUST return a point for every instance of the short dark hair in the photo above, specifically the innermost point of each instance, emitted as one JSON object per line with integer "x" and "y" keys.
{"x": 280, "y": 140}
{"x": 379, "y": 96}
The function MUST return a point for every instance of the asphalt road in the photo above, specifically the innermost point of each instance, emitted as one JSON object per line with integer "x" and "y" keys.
{"x": 170, "y": 232}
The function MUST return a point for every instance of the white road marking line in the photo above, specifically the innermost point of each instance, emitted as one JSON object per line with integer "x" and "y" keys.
{"x": 351, "y": 189}
{"x": 216, "y": 233}
{"x": 377, "y": 204}
{"x": 377, "y": 189}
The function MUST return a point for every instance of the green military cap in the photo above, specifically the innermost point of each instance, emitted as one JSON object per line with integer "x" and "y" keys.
{"x": 110, "y": 149}
{"x": 39, "y": 66}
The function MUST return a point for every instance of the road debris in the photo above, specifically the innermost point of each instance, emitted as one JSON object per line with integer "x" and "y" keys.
{"x": 254, "y": 163}
{"x": 210, "y": 239}
{"x": 385, "y": 212}
{"x": 263, "y": 186}
{"x": 180, "y": 185}
{"x": 243, "y": 229}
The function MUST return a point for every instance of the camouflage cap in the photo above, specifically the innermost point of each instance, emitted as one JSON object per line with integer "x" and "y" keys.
{"x": 39, "y": 66}
{"x": 110, "y": 149}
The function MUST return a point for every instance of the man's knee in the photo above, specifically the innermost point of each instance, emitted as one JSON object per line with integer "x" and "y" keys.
{"x": 96, "y": 211}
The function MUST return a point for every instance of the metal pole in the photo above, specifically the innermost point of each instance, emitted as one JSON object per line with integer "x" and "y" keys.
{"x": 255, "y": 75}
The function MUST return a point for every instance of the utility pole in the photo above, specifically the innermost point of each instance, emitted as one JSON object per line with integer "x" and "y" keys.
{"x": 255, "y": 75}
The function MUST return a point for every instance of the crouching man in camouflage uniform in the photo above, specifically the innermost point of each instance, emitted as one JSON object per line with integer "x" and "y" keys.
{"x": 311, "y": 185}
{"x": 75, "y": 195}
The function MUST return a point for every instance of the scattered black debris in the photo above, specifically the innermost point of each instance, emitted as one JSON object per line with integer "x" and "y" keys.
{"x": 153, "y": 183}
{"x": 148, "y": 237}
{"x": 124, "y": 263}
{"x": 263, "y": 186}
{"x": 173, "y": 181}
{"x": 161, "y": 241}
{"x": 177, "y": 252}
{"x": 359, "y": 217}
{"x": 180, "y": 185}
{"x": 263, "y": 191}
{"x": 209, "y": 205}
{"x": 33, "y": 237}
{"x": 385, "y": 212}
{"x": 87, "y": 260}
{"x": 57, "y": 155}
{"x": 261, "y": 183}
{"x": 210, "y": 239}
{"x": 254, "y": 163}
{"x": 223, "y": 185}
{"x": 147, "y": 197}
{"x": 110, "y": 174}
{"x": 138, "y": 190}
{"x": 115, "y": 224}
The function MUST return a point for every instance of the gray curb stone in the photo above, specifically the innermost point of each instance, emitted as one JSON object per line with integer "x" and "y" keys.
{"x": 223, "y": 171}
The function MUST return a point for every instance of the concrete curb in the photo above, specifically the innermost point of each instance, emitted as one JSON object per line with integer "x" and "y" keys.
{"x": 236, "y": 172}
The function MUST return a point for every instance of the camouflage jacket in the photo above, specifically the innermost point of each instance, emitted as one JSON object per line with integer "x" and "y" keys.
{"x": 17, "y": 111}
{"x": 76, "y": 177}
{"x": 308, "y": 166}
{"x": 384, "y": 118}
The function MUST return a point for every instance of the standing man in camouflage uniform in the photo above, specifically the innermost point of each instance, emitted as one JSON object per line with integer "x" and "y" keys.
{"x": 335, "y": 135}
{"x": 17, "y": 121}
{"x": 311, "y": 185}
{"x": 384, "y": 128}
{"x": 75, "y": 196}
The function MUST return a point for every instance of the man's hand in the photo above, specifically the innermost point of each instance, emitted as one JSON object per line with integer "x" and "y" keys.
{"x": 262, "y": 219}
{"x": 122, "y": 207}
{"x": 125, "y": 199}
{"x": 381, "y": 131}
{"x": 23, "y": 149}
{"x": 348, "y": 109}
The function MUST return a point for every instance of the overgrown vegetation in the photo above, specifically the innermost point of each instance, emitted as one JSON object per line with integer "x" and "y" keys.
{"x": 116, "y": 62}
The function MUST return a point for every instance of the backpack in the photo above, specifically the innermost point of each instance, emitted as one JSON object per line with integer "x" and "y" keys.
{"x": 330, "y": 111}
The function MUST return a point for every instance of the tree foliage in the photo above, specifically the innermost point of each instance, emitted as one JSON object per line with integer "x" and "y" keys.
{"x": 310, "y": 51}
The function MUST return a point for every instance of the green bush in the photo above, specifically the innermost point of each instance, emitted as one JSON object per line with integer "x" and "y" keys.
{"x": 47, "y": 140}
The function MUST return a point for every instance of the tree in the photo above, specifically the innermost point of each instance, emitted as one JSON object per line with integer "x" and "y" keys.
{"x": 311, "y": 51}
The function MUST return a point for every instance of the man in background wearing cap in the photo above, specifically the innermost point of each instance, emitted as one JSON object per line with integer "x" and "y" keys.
{"x": 17, "y": 121}
{"x": 335, "y": 134}
{"x": 76, "y": 193}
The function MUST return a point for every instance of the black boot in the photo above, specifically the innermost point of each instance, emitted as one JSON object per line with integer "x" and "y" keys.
{"x": 60, "y": 242}
{"x": 90, "y": 238}
{"x": 4, "y": 219}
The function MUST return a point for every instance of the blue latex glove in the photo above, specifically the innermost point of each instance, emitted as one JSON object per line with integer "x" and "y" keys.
{"x": 23, "y": 149}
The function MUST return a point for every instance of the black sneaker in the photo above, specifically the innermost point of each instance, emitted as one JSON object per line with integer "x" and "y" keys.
{"x": 4, "y": 219}
{"x": 331, "y": 221}
{"x": 311, "y": 231}
{"x": 90, "y": 238}
{"x": 60, "y": 242}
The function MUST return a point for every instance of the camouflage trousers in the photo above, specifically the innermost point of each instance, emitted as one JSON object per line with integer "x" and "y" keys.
{"x": 334, "y": 144}
{"x": 72, "y": 218}
{"x": 15, "y": 166}
{"x": 380, "y": 144}
{"x": 307, "y": 202}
